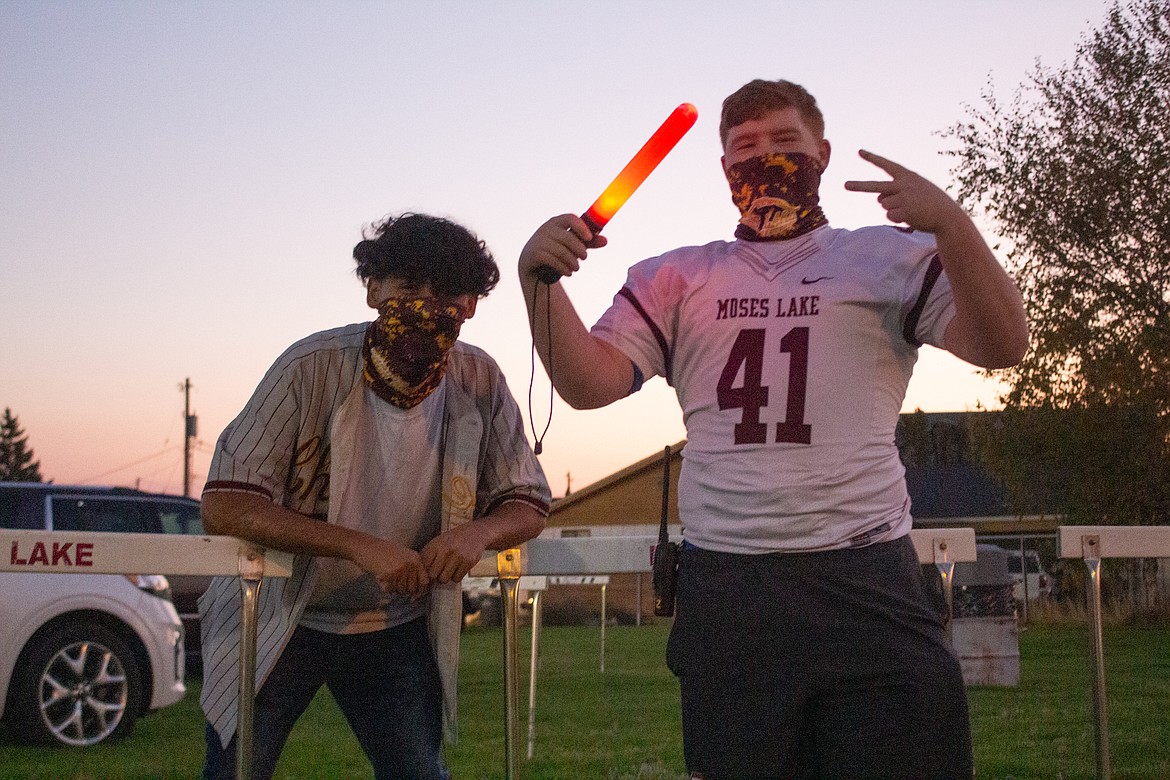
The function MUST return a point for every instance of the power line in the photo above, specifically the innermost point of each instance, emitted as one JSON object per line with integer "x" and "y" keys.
{"x": 128, "y": 465}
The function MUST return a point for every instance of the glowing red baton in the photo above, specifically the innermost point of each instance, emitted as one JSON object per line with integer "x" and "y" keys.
{"x": 646, "y": 160}
{"x": 637, "y": 169}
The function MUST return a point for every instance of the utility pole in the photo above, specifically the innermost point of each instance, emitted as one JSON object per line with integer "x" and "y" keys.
{"x": 190, "y": 426}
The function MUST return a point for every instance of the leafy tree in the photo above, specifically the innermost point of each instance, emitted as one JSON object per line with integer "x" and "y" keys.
{"x": 935, "y": 440}
{"x": 1073, "y": 174}
{"x": 16, "y": 458}
{"x": 1097, "y": 464}
{"x": 914, "y": 438}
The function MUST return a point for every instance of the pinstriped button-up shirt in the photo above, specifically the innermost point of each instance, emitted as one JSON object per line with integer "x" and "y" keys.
{"x": 279, "y": 447}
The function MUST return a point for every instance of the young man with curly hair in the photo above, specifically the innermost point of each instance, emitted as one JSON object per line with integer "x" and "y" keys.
{"x": 388, "y": 456}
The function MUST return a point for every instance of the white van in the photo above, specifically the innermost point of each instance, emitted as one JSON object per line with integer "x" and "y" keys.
{"x": 82, "y": 656}
{"x": 47, "y": 506}
{"x": 1039, "y": 582}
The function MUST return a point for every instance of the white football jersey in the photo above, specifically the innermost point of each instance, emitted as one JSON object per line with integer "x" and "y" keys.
{"x": 790, "y": 360}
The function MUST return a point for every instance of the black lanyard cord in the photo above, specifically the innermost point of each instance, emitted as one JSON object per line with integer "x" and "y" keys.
{"x": 538, "y": 447}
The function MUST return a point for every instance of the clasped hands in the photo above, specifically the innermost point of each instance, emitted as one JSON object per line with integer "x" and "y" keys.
{"x": 445, "y": 559}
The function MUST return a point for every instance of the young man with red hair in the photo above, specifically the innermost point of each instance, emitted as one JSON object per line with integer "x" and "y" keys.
{"x": 806, "y": 641}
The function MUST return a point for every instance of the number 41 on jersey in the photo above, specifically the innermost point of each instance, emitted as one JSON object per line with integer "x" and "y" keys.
{"x": 752, "y": 395}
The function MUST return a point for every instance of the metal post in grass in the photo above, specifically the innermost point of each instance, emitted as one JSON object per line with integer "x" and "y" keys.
{"x": 534, "y": 663}
{"x": 946, "y": 570}
{"x": 1093, "y": 543}
{"x": 945, "y": 547}
{"x": 509, "y": 568}
{"x": 251, "y": 575}
{"x": 1024, "y": 574}
{"x": 602, "y": 653}
{"x": 1091, "y": 551}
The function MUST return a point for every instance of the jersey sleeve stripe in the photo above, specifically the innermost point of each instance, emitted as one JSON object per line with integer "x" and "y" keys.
{"x": 658, "y": 336}
{"x": 228, "y": 486}
{"x": 910, "y": 325}
{"x": 535, "y": 503}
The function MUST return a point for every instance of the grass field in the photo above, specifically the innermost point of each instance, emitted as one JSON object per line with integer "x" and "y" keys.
{"x": 624, "y": 723}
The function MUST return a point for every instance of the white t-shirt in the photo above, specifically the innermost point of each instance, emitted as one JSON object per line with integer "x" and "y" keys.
{"x": 790, "y": 360}
{"x": 393, "y": 493}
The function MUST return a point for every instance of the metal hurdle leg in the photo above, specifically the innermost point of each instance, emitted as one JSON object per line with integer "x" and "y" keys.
{"x": 532, "y": 667}
{"x": 946, "y": 569}
{"x": 1024, "y": 573}
{"x": 1093, "y": 543}
{"x": 602, "y": 652}
{"x": 509, "y": 567}
{"x": 251, "y": 576}
{"x": 1091, "y": 547}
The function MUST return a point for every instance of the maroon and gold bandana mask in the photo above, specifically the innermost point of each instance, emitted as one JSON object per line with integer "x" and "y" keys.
{"x": 777, "y": 196}
{"x": 406, "y": 348}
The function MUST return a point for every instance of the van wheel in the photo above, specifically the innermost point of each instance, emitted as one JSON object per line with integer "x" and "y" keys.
{"x": 75, "y": 685}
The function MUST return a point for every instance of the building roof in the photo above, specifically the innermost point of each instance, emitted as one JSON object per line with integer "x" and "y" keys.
{"x": 945, "y": 482}
{"x": 652, "y": 463}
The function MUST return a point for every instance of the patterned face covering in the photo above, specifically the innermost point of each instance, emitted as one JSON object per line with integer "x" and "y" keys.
{"x": 777, "y": 196}
{"x": 406, "y": 348}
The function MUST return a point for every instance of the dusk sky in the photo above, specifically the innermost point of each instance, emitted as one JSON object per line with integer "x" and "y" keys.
{"x": 183, "y": 183}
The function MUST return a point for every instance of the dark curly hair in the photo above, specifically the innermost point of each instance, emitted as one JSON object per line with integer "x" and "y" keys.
{"x": 759, "y": 97}
{"x": 421, "y": 249}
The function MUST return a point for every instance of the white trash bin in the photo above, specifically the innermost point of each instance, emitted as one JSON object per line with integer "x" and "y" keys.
{"x": 984, "y": 631}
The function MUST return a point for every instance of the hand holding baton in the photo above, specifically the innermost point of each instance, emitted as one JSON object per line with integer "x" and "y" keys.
{"x": 637, "y": 169}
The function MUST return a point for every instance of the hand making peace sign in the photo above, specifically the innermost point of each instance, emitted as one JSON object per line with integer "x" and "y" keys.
{"x": 908, "y": 197}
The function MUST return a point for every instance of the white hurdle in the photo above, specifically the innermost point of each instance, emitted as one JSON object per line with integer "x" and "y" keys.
{"x": 944, "y": 547}
{"x": 76, "y": 552}
{"x": 1094, "y": 543}
{"x": 125, "y": 553}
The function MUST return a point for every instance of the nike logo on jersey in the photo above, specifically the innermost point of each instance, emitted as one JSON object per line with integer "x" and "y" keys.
{"x": 806, "y": 280}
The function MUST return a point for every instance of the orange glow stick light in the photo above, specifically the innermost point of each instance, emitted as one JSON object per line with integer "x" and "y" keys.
{"x": 637, "y": 169}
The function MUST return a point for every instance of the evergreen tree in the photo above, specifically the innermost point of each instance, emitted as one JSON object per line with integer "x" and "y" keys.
{"x": 16, "y": 457}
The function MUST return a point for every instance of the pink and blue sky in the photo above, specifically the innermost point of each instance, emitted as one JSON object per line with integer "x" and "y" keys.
{"x": 183, "y": 183}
